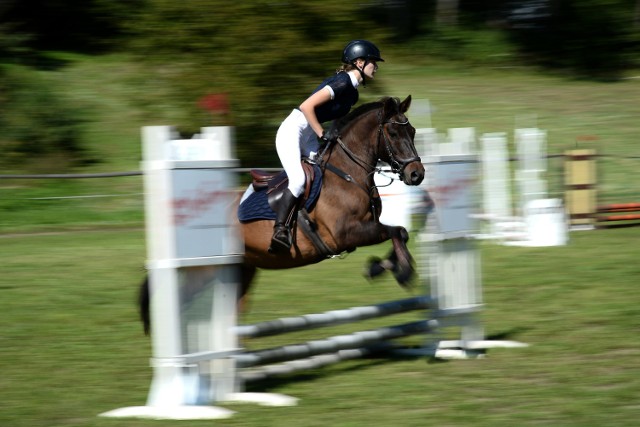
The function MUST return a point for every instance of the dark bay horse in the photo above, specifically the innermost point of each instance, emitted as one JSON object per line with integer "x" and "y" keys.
{"x": 346, "y": 214}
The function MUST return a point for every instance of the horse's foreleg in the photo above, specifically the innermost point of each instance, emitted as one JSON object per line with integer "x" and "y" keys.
{"x": 403, "y": 271}
{"x": 399, "y": 261}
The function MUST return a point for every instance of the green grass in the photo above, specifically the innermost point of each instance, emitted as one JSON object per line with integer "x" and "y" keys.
{"x": 68, "y": 204}
{"x": 120, "y": 98}
{"x": 71, "y": 346}
{"x": 503, "y": 99}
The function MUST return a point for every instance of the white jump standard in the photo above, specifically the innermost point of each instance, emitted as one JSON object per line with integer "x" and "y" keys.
{"x": 193, "y": 253}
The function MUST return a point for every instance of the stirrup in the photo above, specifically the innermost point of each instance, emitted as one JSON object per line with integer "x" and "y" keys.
{"x": 281, "y": 240}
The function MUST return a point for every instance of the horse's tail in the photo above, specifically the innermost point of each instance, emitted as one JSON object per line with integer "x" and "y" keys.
{"x": 144, "y": 295}
{"x": 143, "y": 305}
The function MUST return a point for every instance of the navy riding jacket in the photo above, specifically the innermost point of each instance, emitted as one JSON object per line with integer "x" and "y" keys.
{"x": 345, "y": 96}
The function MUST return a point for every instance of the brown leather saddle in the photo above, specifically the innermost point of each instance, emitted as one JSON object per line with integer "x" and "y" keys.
{"x": 276, "y": 182}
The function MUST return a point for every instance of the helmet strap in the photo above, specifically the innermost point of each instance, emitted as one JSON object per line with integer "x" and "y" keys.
{"x": 364, "y": 77}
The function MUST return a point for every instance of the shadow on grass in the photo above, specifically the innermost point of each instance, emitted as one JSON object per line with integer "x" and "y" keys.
{"x": 277, "y": 382}
{"x": 511, "y": 334}
{"x": 382, "y": 357}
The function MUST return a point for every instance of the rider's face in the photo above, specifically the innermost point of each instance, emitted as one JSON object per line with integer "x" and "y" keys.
{"x": 371, "y": 69}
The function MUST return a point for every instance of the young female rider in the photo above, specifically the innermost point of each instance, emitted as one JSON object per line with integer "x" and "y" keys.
{"x": 300, "y": 132}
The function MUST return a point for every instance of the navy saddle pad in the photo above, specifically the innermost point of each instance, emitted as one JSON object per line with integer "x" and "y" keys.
{"x": 256, "y": 206}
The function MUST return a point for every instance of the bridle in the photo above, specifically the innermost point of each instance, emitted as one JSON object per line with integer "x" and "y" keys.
{"x": 397, "y": 165}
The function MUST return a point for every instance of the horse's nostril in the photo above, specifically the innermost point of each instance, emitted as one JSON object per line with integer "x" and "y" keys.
{"x": 416, "y": 178}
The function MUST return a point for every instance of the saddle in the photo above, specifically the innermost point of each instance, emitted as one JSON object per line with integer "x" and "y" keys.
{"x": 276, "y": 182}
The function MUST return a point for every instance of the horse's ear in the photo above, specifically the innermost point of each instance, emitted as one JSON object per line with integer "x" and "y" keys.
{"x": 404, "y": 105}
{"x": 389, "y": 107}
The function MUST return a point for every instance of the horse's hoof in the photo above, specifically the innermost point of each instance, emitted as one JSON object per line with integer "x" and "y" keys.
{"x": 374, "y": 268}
{"x": 404, "y": 278}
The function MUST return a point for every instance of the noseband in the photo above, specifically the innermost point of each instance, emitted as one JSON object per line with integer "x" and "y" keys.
{"x": 397, "y": 165}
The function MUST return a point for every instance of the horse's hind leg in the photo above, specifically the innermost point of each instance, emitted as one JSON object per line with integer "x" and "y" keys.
{"x": 144, "y": 305}
{"x": 247, "y": 274}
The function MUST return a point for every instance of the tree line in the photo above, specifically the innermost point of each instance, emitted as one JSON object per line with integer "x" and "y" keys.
{"x": 264, "y": 54}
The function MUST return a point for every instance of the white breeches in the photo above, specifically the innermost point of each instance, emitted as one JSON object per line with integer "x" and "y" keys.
{"x": 295, "y": 139}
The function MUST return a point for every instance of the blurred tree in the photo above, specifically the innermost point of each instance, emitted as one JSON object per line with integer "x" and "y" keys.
{"x": 39, "y": 129}
{"x": 267, "y": 56}
{"x": 447, "y": 13}
{"x": 77, "y": 25}
{"x": 595, "y": 38}
{"x": 11, "y": 41}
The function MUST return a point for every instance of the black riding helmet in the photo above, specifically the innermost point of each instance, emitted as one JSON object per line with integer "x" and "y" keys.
{"x": 361, "y": 49}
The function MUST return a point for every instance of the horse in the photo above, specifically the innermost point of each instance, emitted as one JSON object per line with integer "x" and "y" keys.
{"x": 347, "y": 211}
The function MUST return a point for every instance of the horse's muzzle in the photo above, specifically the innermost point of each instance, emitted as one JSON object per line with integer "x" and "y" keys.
{"x": 413, "y": 173}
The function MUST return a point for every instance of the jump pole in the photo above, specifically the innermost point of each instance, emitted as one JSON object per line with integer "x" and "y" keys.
{"x": 193, "y": 253}
{"x": 581, "y": 195}
{"x": 276, "y": 361}
{"x": 618, "y": 212}
{"x": 192, "y": 256}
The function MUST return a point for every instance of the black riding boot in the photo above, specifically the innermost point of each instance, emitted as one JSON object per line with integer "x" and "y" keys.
{"x": 285, "y": 211}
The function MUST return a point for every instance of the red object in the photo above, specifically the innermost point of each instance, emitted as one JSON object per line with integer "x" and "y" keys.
{"x": 620, "y": 207}
{"x": 587, "y": 138}
{"x": 215, "y": 103}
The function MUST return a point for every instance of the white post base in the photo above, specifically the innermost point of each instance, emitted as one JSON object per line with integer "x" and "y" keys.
{"x": 263, "y": 399}
{"x": 186, "y": 412}
{"x": 458, "y": 349}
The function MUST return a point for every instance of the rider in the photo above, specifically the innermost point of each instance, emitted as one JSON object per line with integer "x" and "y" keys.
{"x": 331, "y": 100}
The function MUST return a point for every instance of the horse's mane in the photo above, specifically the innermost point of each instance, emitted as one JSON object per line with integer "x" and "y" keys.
{"x": 340, "y": 124}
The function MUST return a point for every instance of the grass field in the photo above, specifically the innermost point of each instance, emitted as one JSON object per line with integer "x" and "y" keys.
{"x": 487, "y": 99}
{"x": 71, "y": 346}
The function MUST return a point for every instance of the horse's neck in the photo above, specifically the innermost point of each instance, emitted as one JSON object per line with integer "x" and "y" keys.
{"x": 361, "y": 140}
{"x": 359, "y": 158}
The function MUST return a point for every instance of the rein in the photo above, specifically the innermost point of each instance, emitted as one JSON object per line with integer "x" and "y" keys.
{"x": 397, "y": 166}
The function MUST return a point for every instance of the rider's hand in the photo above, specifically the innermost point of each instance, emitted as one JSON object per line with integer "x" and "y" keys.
{"x": 323, "y": 139}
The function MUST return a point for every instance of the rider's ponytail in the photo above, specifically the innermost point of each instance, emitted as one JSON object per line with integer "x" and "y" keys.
{"x": 346, "y": 67}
